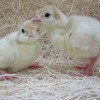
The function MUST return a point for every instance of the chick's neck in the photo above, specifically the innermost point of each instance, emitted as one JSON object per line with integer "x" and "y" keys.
{"x": 58, "y": 27}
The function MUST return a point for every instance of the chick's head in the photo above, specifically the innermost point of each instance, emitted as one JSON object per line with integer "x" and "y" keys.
{"x": 48, "y": 16}
{"x": 28, "y": 32}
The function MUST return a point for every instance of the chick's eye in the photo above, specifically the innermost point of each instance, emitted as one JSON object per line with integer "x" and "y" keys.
{"x": 47, "y": 15}
{"x": 23, "y": 31}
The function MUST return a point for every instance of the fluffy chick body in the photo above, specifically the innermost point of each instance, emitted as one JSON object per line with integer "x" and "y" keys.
{"x": 79, "y": 39}
{"x": 16, "y": 53}
{"x": 76, "y": 36}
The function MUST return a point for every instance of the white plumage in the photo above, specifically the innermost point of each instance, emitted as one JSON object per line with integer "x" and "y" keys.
{"x": 20, "y": 49}
{"x": 81, "y": 39}
{"x": 76, "y": 36}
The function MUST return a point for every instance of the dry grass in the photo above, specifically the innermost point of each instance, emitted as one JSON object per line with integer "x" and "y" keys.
{"x": 51, "y": 82}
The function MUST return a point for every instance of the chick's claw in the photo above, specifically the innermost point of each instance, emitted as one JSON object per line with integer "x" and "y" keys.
{"x": 80, "y": 67}
{"x": 3, "y": 77}
{"x": 35, "y": 66}
{"x": 76, "y": 74}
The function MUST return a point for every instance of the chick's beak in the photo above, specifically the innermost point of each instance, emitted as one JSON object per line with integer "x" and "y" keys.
{"x": 32, "y": 34}
{"x": 36, "y": 19}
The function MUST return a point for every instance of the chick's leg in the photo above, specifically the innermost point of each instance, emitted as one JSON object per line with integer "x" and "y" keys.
{"x": 88, "y": 70}
{"x": 90, "y": 67}
{"x": 3, "y": 77}
{"x": 35, "y": 66}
